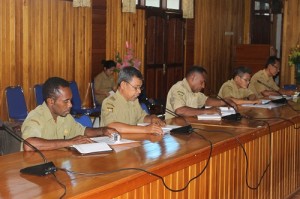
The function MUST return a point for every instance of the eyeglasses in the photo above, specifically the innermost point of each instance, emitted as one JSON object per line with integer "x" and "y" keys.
{"x": 275, "y": 66}
{"x": 136, "y": 88}
{"x": 246, "y": 80}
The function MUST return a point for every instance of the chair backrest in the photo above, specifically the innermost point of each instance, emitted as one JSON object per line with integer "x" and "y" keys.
{"x": 38, "y": 93}
{"x": 84, "y": 120}
{"x": 76, "y": 101}
{"x": 145, "y": 108}
{"x": 16, "y": 103}
{"x": 95, "y": 103}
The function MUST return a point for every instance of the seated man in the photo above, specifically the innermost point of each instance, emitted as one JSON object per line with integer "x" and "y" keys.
{"x": 185, "y": 97}
{"x": 123, "y": 111}
{"x": 237, "y": 88}
{"x": 262, "y": 83}
{"x": 50, "y": 125}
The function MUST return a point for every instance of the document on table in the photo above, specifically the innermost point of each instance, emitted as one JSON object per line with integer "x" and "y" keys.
{"x": 92, "y": 148}
{"x": 268, "y": 105}
{"x": 224, "y": 112}
{"x": 110, "y": 141}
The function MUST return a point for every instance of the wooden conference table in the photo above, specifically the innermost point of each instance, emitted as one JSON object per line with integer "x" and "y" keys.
{"x": 178, "y": 158}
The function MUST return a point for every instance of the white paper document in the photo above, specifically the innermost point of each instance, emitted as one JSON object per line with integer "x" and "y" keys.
{"x": 110, "y": 141}
{"x": 224, "y": 112}
{"x": 268, "y": 105}
{"x": 92, "y": 148}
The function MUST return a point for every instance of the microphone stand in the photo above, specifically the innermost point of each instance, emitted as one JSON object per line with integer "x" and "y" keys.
{"x": 233, "y": 117}
{"x": 282, "y": 100}
{"x": 188, "y": 129}
{"x": 39, "y": 170}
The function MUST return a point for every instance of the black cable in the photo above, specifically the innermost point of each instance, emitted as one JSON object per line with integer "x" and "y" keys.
{"x": 61, "y": 184}
{"x": 149, "y": 172}
{"x": 246, "y": 156}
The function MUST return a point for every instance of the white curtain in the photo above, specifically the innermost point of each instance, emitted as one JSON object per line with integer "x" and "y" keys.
{"x": 188, "y": 9}
{"x": 129, "y": 6}
{"x": 81, "y": 3}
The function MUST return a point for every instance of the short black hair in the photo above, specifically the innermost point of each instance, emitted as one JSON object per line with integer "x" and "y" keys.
{"x": 108, "y": 64}
{"x": 127, "y": 73}
{"x": 195, "y": 69}
{"x": 240, "y": 71}
{"x": 272, "y": 60}
{"x": 51, "y": 87}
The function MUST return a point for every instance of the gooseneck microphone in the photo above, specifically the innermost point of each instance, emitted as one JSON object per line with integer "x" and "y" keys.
{"x": 188, "y": 129}
{"x": 282, "y": 100}
{"x": 39, "y": 170}
{"x": 234, "y": 117}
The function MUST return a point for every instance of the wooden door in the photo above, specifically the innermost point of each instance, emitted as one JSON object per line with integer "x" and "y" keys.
{"x": 164, "y": 57}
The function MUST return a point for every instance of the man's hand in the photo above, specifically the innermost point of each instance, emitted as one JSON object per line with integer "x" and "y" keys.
{"x": 157, "y": 121}
{"x": 80, "y": 139}
{"x": 108, "y": 131}
{"x": 154, "y": 128}
{"x": 211, "y": 110}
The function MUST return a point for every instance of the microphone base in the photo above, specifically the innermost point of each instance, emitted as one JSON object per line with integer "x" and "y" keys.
{"x": 233, "y": 117}
{"x": 182, "y": 130}
{"x": 40, "y": 170}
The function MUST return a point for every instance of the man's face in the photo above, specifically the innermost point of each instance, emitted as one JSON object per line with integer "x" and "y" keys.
{"x": 274, "y": 68}
{"x": 132, "y": 89}
{"x": 62, "y": 105}
{"x": 197, "y": 82}
{"x": 243, "y": 80}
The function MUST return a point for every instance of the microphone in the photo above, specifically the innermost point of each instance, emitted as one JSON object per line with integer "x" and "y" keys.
{"x": 39, "y": 170}
{"x": 180, "y": 130}
{"x": 188, "y": 129}
{"x": 282, "y": 100}
{"x": 233, "y": 117}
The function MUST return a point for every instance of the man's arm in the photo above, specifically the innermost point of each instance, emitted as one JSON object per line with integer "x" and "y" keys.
{"x": 101, "y": 131}
{"x": 126, "y": 128}
{"x": 188, "y": 111}
{"x": 44, "y": 144}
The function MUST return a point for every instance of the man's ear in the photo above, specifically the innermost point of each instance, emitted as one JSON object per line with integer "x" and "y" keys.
{"x": 50, "y": 101}
{"x": 122, "y": 84}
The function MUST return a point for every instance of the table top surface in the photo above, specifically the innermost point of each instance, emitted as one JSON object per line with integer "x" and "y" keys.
{"x": 151, "y": 152}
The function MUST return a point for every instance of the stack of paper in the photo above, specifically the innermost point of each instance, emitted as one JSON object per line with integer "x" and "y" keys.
{"x": 92, "y": 148}
{"x": 110, "y": 141}
{"x": 209, "y": 117}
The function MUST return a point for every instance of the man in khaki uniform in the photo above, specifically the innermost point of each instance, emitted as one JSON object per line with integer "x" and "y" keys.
{"x": 50, "y": 125}
{"x": 122, "y": 110}
{"x": 185, "y": 97}
{"x": 262, "y": 83}
{"x": 237, "y": 88}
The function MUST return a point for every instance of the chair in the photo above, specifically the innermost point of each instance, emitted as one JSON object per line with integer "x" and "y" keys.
{"x": 145, "y": 108}
{"x": 76, "y": 103}
{"x": 38, "y": 93}
{"x": 16, "y": 103}
{"x": 84, "y": 120}
{"x": 95, "y": 103}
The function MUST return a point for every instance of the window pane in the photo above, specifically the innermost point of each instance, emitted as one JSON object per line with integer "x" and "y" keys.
{"x": 152, "y": 3}
{"x": 173, "y": 4}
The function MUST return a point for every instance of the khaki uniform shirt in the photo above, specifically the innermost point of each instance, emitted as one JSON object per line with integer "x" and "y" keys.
{"x": 117, "y": 109}
{"x": 230, "y": 89}
{"x": 257, "y": 88}
{"x": 181, "y": 95}
{"x": 104, "y": 83}
{"x": 40, "y": 123}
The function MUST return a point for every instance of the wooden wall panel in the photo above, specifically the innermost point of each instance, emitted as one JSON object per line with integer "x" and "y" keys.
{"x": 98, "y": 36}
{"x": 213, "y": 49}
{"x": 122, "y": 27}
{"x": 40, "y": 39}
{"x": 290, "y": 38}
